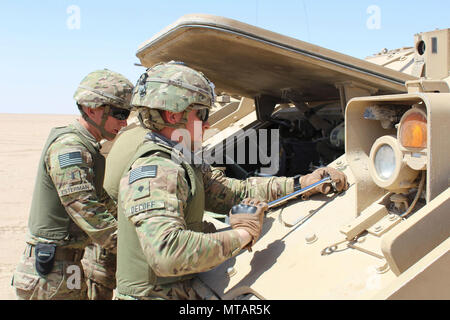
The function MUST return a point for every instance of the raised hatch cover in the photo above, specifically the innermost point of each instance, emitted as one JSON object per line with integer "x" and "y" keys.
{"x": 249, "y": 61}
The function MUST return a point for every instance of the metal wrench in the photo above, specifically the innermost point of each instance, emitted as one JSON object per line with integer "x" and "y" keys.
{"x": 297, "y": 193}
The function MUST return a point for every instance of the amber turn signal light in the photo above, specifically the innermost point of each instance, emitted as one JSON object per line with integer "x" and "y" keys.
{"x": 413, "y": 129}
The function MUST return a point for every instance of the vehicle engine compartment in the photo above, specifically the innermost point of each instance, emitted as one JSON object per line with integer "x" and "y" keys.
{"x": 303, "y": 138}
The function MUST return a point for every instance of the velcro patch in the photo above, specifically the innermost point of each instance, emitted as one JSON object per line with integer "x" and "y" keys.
{"x": 142, "y": 172}
{"x": 145, "y": 206}
{"x": 141, "y": 190}
{"x": 70, "y": 159}
{"x": 76, "y": 188}
{"x": 75, "y": 177}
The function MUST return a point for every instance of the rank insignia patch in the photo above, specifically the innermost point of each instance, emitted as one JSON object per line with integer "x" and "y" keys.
{"x": 69, "y": 159}
{"x": 141, "y": 190}
{"x": 142, "y": 172}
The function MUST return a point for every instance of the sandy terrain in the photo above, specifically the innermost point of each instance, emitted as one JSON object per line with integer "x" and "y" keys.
{"x": 22, "y": 137}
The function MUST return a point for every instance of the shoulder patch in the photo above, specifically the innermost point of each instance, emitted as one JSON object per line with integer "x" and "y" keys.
{"x": 70, "y": 159}
{"x": 142, "y": 172}
{"x": 141, "y": 190}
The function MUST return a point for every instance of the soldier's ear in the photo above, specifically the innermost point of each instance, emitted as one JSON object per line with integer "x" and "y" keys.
{"x": 95, "y": 114}
{"x": 171, "y": 117}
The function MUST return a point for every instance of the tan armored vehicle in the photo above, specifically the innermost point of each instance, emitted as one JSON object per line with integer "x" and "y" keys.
{"x": 384, "y": 123}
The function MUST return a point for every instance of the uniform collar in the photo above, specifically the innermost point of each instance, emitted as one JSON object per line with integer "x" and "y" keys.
{"x": 159, "y": 138}
{"x": 85, "y": 132}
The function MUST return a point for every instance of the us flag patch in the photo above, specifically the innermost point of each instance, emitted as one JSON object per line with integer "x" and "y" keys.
{"x": 142, "y": 172}
{"x": 70, "y": 159}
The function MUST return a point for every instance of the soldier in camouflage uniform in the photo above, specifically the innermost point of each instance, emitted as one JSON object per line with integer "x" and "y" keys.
{"x": 162, "y": 241}
{"x": 69, "y": 208}
{"x": 99, "y": 265}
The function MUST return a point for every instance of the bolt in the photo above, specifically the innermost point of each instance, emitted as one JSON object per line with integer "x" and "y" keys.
{"x": 311, "y": 238}
{"x": 378, "y": 228}
{"x": 231, "y": 271}
{"x": 361, "y": 239}
{"x": 392, "y": 217}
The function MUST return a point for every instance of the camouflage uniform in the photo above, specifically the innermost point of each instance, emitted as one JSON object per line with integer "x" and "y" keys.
{"x": 69, "y": 209}
{"x": 159, "y": 206}
{"x": 100, "y": 264}
{"x": 162, "y": 243}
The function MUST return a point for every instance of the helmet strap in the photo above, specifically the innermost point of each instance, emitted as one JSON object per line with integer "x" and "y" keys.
{"x": 152, "y": 119}
{"x": 105, "y": 134}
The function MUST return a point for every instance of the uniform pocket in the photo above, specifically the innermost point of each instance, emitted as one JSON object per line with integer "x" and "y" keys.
{"x": 45, "y": 257}
{"x": 24, "y": 281}
{"x": 54, "y": 281}
{"x": 31, "y": 286}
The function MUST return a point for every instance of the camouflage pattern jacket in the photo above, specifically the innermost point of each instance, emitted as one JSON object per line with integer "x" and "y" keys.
{"x": 70, "y": 207}
{"x": 160, "y": 235}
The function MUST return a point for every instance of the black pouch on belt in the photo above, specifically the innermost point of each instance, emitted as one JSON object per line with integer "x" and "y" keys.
{"x": 45, "y": 257}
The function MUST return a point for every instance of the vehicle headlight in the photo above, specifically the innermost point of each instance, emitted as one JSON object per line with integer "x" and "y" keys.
{"x": 387, "y": 167}
{"x": 385, "y": 161}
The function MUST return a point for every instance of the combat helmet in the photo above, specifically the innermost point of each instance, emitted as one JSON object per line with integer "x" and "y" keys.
{"x": 103, "y": 88}
{"x": 171, "y": 86}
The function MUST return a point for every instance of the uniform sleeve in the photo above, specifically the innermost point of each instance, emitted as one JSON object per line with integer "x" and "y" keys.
{"x": 155, "y": 204}
{"x": 222, "y": 192}
{"x": 70, "y": 167}
{"x": 109, "y": 203}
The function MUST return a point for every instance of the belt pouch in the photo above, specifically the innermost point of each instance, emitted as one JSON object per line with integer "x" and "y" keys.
{"x": 45, "y": 257}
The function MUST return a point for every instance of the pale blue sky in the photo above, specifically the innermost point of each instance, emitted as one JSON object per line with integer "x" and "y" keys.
{"x": 42, "y": 60}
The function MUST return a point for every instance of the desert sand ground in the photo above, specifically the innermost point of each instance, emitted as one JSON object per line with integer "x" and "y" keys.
{"x": 22, "y": 137}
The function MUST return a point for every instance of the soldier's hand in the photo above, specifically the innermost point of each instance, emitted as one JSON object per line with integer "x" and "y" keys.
{"x": 209, "y": 227}
{"x": 339, "y": 179}
{"x": 249, "y": 215}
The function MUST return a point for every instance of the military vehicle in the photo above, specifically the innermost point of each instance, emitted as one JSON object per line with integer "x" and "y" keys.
{"x": 382, "y": 121}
